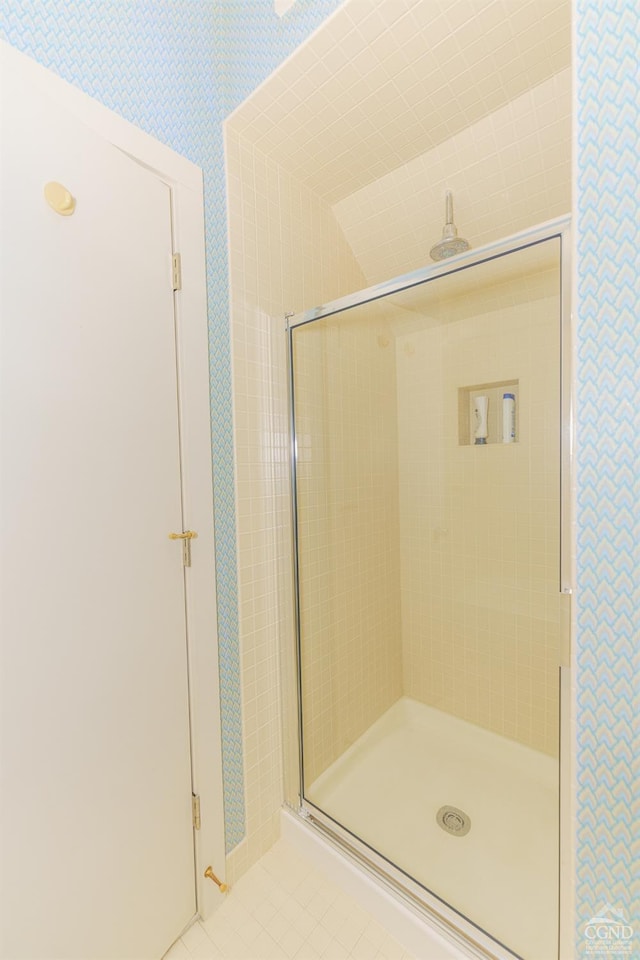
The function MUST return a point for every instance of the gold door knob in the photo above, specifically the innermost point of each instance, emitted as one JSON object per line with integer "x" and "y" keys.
{"x": 211, "y": 876}
{"x": 186, "y": 538}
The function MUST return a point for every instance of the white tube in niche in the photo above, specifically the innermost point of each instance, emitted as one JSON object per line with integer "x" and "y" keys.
{"x": 480, "y": 407}
{"x": 508, "y": 417}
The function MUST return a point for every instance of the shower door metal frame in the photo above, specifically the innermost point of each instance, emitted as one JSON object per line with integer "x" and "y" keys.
{"x": 454, "y": 926}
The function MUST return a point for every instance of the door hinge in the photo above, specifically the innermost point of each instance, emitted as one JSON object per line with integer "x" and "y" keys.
{"x": 176, "y": 271}
{"x": 195, "y": 811}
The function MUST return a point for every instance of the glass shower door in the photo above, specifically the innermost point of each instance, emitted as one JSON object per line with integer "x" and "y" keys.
{"x": 427, "y": 482}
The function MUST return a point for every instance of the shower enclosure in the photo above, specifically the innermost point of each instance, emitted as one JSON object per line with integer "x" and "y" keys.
{"x": 431, "y": 582}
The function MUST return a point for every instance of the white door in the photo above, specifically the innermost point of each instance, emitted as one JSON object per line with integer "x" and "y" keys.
{"x": 97, "y": 853}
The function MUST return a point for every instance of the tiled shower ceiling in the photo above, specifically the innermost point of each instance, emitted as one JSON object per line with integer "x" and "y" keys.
{"x": 509, "y": 171}
{"x": 385, "y": 81}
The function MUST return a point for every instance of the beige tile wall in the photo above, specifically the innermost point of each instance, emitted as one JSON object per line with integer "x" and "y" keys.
{"x": 513, "y": 164}
{"x": 479, "y": 526}
{"x": 286, "y": 252}
{"x": 385, "y": 81}
{"x": 347, "y": 485}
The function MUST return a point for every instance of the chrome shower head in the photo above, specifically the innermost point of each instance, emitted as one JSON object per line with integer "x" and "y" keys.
{"x": 451, "y": 243}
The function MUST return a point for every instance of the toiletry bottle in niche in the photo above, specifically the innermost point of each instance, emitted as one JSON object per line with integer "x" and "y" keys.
{"x": 480, "y": 409}
{"x": 508, "y": 417}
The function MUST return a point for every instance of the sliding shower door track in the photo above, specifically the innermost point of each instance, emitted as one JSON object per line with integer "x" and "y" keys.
{"x": 453, "y": 926}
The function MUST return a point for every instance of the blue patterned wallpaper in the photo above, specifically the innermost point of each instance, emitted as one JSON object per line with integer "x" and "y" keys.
{"x": 135, "y": 56}
{"x": 254, "y": 41}
{"x": 608, "y": 458}
{"x": 176, "y": 68}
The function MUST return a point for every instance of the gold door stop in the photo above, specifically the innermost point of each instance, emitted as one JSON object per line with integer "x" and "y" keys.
{"x": 211, "y": 876}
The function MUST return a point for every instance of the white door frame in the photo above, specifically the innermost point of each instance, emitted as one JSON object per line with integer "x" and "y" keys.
{"x": 186, "y": 182}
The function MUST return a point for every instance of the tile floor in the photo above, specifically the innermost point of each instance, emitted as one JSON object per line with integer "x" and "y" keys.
{"x": 285, "y": 909}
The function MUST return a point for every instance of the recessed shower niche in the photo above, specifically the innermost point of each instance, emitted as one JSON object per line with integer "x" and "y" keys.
{"x": 496, "y": 428}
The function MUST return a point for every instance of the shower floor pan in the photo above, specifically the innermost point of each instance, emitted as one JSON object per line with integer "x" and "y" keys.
{"x": 502, "y": 874}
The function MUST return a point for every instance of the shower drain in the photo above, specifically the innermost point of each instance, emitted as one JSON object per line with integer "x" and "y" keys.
{"x": 454, "y": 821}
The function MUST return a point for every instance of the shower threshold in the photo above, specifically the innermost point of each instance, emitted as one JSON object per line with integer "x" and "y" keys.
{"x": 388, "y": 788}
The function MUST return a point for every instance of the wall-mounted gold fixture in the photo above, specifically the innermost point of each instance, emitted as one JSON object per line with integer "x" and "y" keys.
{"x": 211, "y": 876}
{"x": 59, "y": 198}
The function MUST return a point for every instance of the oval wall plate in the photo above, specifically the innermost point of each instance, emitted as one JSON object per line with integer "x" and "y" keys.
{"x": 59, "y": 198}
